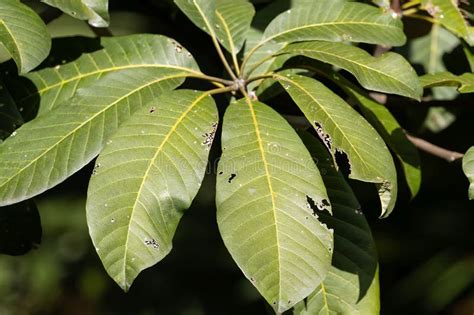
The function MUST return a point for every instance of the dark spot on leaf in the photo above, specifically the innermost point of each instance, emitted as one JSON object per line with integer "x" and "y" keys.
{"x": 231, "y": 178}
{"x": 221, "y": 172}
{"x": 289, "y": 301}
{"x": 152, "y": 243}
{"x": 343, "y": 162}
{"x": 324, "y": 136}
{"x": 152, "y": 109}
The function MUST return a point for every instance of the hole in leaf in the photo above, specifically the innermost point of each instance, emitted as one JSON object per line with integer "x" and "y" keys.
{"x": 231, "y": 178}
{"x": 221, "y": 172}
{"x": 316, "y": 206}
{"x": 209, "y": 136}
{"x": 324, "y": 136}
{"x": 152, "y": 109}
{"x": 343, "y": 162}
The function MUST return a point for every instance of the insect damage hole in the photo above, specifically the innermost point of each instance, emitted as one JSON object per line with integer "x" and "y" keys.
{"x": 325, "y": 137}
{"x": 209, "y": 136}
{"x": 231, "y": 178}
{"x": 317, "y": 206}
{"x": 343, "y": 162}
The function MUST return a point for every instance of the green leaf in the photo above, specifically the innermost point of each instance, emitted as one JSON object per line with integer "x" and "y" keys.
{"x": 95, "y": 11}
{"x": 469, "y": 52}
{"x": 147, "y": 175}
{"x": 53, "y": 86}
{"x": 468, "y": 168}
{"x": 448, "y": 14}
{"x": 233, "y": 20}
{"x": 10, "y": 117}
{"x": 47, "y": 150}
{"x": 382, "y": 3}
{"x": 333, "y": 20}
{"x": 388, "y": 127}
{"x": 344, "y": 131}
{"x": 266, "y": 188}
{"x": 464, "y": 82}
{"x": 228, "y": 21}
{"x": 23, "y": 34}
{"x": 351, "y": 286}
{"x": 429, "y": 51}
{"x": 388, "y": 73}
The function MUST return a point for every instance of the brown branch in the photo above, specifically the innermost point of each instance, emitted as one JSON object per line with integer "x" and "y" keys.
{"x": 432, "y": 149}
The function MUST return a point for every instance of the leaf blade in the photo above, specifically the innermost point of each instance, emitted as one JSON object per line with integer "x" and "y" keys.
{"x": 27, "y": 45}
{"x": 52, "y": 86}
{"x": 351, "y": 286}
{"x": 336, "y": 21}
{"x": 156, "y": 146}
{"x": 468, "y": 168}
{"x": 30, "y": 162}
{"x": 95, "y": 12}
{"x": 261, "y": 227}
{"x": 335, "y": 122}
{"x": 388, "y": 73}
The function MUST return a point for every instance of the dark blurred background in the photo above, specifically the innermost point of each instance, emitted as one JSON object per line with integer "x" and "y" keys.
{"x": 426, "y": 247}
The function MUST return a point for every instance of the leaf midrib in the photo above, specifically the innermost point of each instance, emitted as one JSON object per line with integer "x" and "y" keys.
{"x": 16, "y": 44}
{"x": 150, "y": 165}
{"x": 86, "y": 122}
{"x": 324, "y": 24}
{"x": 270, "y": 187}
{"x": 366, "y": 166}
{"x": 357, "y": 63}
{"x": 102, "y": 71}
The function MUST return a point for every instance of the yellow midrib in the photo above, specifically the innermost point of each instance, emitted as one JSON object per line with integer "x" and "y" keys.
{"x": 150, "y": 165}
{"x": 270, "y": 187}
{"x": 85, "y": 122}
{"x": 355, "y": 62}
{"x": 328, "y": 115}
{"x": 101, "y": 71}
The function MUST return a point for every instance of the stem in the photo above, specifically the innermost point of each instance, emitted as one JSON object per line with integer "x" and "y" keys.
{"x": 435, "y": 150}
{"x": 422, "y": 17}
{"x": 250, "y": 54}
{"x": 199, "y": 75}
{"x": 409, "y": 11}
{"x": 396, "y": 6}
{"x": 410, "y": 4}
{"x": 236, "y": 64}
{"x": 258, "y": 64}
{"x": 222, "y": 57}
{"x": 222, "y": 90}
{"x": 259, "y": 77}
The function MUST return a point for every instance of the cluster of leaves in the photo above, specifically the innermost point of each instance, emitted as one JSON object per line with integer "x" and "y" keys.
{"x": 284, "y": 210}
